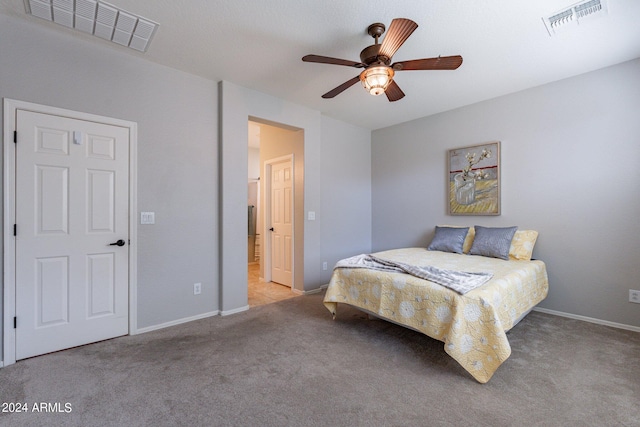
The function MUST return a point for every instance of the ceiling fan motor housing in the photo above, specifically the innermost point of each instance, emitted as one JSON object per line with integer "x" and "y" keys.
{"x": 369, "y": 55}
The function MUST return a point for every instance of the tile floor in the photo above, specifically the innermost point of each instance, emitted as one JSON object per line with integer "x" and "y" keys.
{"x": 261, "y": 293}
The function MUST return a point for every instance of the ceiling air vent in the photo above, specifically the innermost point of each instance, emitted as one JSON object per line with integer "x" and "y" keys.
{"x": 98, "y": 18}
{"x": 574, "y": 15}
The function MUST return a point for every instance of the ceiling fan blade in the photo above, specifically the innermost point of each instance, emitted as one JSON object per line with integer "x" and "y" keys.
{"x": 439, "y": 63}
{"x": 344, "y": 86}
{"x": 394, "y": 92}
{"x": 329, "y": 60}
{"x": 398, "y": 32}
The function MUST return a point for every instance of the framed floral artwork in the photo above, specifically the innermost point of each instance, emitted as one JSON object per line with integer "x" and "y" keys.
{"x": 474, "y": 180}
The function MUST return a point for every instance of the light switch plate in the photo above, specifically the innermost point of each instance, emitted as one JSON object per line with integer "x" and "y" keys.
{"x": 312, "y": 216}
{"x": 147, "y": 217}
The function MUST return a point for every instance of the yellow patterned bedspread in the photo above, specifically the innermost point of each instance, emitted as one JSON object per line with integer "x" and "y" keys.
{"x": 472, "y": 326}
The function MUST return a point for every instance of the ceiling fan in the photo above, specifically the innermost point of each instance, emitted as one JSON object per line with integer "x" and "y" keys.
{"x": 377, "y": 77}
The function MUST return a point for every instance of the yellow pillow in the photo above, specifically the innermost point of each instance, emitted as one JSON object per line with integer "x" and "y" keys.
{"x": 468, "y": 241}
{"x": 522, "y": 245}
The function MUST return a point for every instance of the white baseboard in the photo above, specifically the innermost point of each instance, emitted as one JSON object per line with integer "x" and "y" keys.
{"x": 176, "y": 322}
{"x": 234, "y": 311}
{"x": 588, "y": 319}
{"x": 314, "y": 291}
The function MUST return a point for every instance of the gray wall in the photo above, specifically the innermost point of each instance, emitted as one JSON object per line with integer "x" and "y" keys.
{"x": 182, "y": 163}
{"x": 570, "y": 170}
{"x": 237, "y": 106}
{"x": 179, "y": 160}
{"x": 177, "y": 151}
{"x": 324, "y": 144}
{"x": 346, "y": 192}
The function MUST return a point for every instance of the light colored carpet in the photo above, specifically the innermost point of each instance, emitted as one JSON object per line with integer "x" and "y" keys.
{"x": 290, "y": 364}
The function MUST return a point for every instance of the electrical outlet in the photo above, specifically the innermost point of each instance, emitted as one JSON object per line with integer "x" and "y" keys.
{"x": 324, "y": 265}
{"x": 634, "y": 296}
{"x": 197, "y": 288}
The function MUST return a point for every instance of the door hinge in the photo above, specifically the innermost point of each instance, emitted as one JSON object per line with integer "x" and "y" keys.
{"x": 15, "y": 136}
{"x": 15, "y": 229}
{"x": 15, "y": 322}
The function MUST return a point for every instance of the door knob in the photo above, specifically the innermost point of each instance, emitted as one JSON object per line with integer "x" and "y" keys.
{"x": 118, "y": 243}
{"x": 271, "y": 229}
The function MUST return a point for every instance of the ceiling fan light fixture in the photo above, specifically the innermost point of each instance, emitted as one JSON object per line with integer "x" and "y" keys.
{"x": 376, "y": 79}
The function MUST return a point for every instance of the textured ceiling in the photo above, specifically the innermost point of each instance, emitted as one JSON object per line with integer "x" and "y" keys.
{"x": 259, "y": 45}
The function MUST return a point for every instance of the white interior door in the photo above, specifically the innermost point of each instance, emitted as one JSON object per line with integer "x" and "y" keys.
{"x": 72, "y": 204}
{"x": 282, "y": 222}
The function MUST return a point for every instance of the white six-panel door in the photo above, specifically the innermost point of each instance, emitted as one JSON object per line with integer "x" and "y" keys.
{"x": 72, "y": 203}
{"x": 282, "y": 222}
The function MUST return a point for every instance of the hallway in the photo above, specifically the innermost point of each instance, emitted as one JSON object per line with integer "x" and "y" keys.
{"x": 261, "y": 293}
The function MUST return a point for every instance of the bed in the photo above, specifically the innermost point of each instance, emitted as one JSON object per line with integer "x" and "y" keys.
{"x": 472, "y": 325}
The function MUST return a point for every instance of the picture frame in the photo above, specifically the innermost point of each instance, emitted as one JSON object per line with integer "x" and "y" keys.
{"x": 473, "y": 184}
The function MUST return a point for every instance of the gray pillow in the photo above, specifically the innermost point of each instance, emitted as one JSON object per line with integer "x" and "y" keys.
{"x": 448, "y": 239}
{"x": 492, "y": 242}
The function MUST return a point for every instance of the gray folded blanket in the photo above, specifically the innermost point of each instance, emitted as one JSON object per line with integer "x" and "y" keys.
{"x": 459, "y": 281}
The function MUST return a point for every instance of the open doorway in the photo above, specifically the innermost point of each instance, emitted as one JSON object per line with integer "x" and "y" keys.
{"x": 274, "y": 210}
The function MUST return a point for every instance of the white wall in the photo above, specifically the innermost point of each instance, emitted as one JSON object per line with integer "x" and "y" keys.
{"x": 254, "y": 164}
{"x": 570, "y": 170}
{"x": 177, "y": 151}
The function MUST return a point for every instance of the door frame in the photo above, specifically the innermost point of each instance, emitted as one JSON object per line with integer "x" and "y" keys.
{"x": 11, "y": 107}
{"x": 267, "y": 217}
